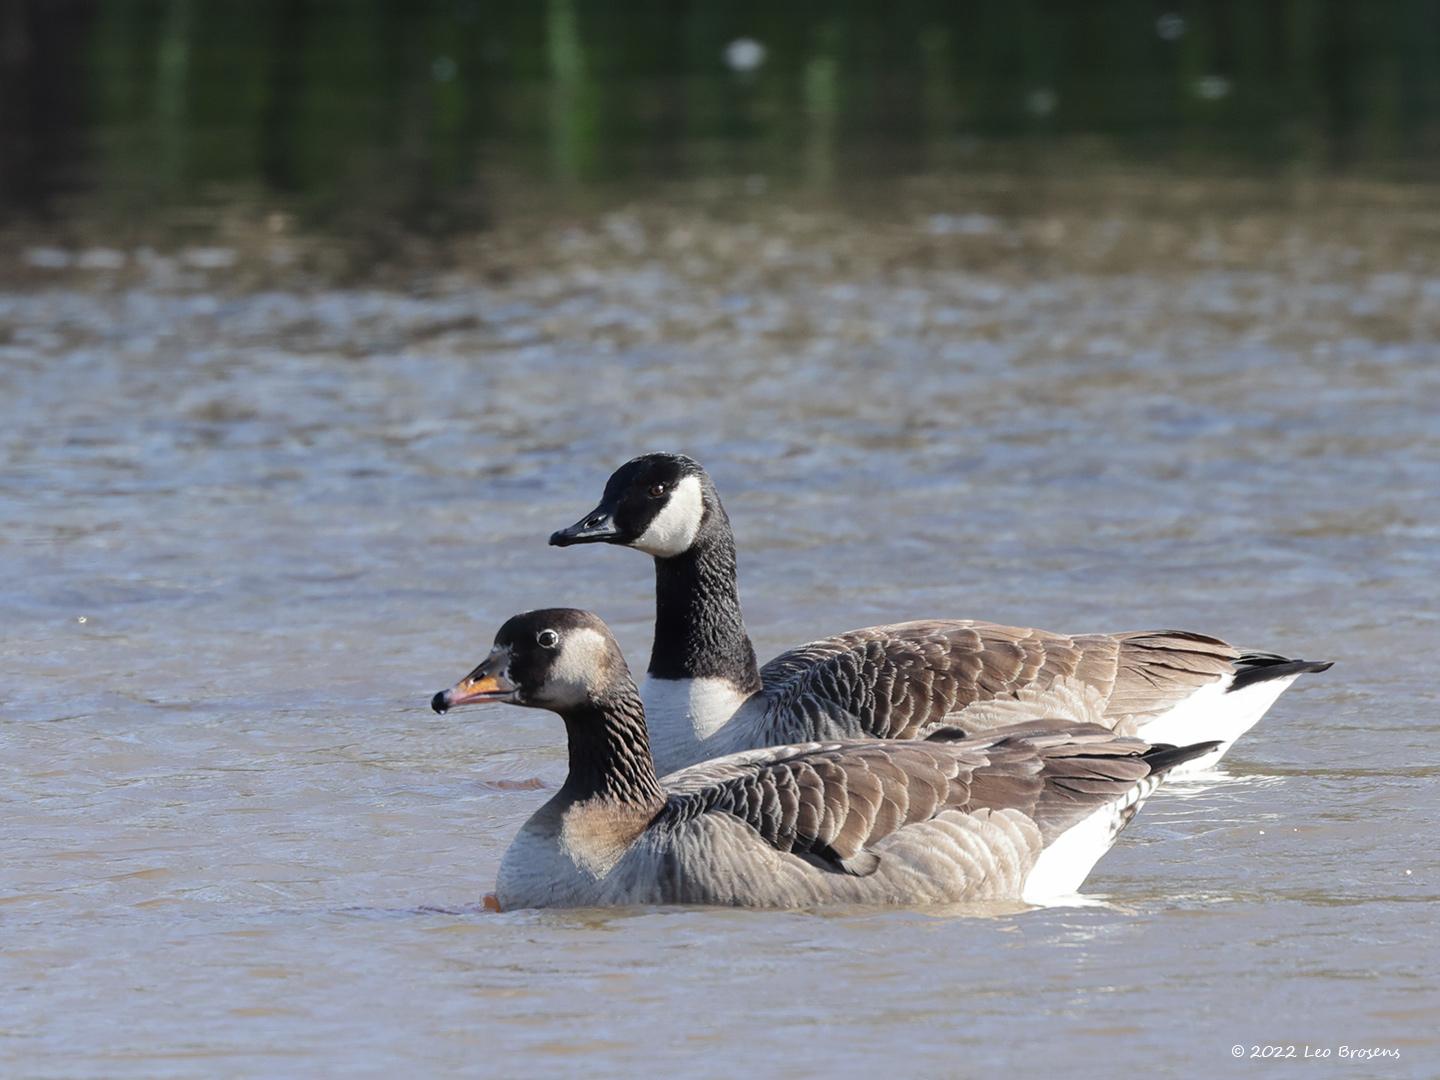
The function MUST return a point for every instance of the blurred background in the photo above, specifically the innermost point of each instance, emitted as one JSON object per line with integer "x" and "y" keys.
{"x": 146, "y": 118}
{"x": 317, "y": 318}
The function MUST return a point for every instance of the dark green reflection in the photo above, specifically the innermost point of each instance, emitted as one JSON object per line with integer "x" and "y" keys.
{"x": 399, "y": 109}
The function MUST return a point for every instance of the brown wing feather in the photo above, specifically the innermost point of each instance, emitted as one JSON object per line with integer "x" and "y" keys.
{"x": 833, "y": 802}
{"x": 1057, "y": 779}
{"x": 845, "y": 796}
{"x": 897, "y": 682}
{"x": 1155, "y": 670}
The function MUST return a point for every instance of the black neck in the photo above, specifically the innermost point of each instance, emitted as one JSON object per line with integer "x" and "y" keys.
{"x": 699, "y": 630}
{"x": 610, "y": 750}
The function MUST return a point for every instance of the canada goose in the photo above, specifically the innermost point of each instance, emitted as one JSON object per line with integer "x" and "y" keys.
{"x": 705, "y": 696}
{"x": 1022, "y": 814}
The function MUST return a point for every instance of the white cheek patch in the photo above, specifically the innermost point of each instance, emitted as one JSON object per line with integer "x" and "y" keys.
{"x": 577, "y": 670}
{"x": 675, "y": 527}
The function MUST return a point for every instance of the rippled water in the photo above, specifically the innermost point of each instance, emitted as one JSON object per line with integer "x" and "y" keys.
{"x": 249, "y": 523}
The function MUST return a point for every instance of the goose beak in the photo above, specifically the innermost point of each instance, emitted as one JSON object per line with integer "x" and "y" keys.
{"x": 596, "y": 527}
{"x": 476, "y": 687}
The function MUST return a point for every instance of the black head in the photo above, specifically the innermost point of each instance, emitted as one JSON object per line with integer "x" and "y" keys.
{"x": 656, "y": 503}
{"x": 553, "y": 658}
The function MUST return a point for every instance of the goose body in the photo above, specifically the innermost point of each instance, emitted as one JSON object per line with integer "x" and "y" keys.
{"x": 1021, "y": 814}
{"x": 706, "y": 696}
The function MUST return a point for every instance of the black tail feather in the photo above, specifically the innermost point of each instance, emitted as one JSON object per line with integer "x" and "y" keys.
{"x": 1162, "y": 758}
{"x": 1258, "y": 667}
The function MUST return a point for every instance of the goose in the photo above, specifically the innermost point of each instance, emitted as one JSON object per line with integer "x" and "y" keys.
{"x": 706, "y": 697}
{"x": 1022, "y": 814}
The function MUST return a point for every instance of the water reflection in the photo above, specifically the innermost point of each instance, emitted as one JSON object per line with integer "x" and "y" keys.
{"x": 386, "y": 113}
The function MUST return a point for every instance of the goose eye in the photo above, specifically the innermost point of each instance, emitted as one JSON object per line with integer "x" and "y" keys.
{"x": 656, "y": 490}
{"x": 547, "y": 639}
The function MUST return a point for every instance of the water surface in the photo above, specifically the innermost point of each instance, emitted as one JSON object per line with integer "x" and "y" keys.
{"x": 250, "y": 520}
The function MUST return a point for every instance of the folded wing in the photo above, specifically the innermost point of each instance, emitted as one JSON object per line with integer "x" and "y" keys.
{"x": 832, "y": 803}
{"x": 901, "y": 681}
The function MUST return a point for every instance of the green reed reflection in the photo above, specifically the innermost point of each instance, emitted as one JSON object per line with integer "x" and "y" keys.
{"x": 399, "y": 108}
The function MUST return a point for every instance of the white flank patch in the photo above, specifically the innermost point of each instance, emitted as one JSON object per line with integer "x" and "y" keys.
{"x": 1214, "y": 713}
{"x": 1065, "y": 864}
{"x": 685, "y": 718}
{"x": 674, "y": 528}
{"x": 577, "y": 669}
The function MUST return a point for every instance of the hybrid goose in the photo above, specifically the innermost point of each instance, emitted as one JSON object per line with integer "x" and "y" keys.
{"x": 1024, "y": 813}
{"x": 705, "y": 696}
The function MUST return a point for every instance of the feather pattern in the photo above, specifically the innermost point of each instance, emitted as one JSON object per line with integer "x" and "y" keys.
{"x": 900, "y": 681}
{"x": 1021, "y": 813}
{"x": 861, "y": 822}
{"x": 907, "y": 680}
